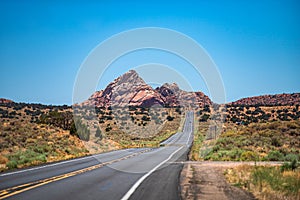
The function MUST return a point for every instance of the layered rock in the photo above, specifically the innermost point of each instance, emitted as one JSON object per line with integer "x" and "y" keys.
{"x": 131, "y": 90}
{"x": 174, "y": 96}
{"x": 126, "y": 90}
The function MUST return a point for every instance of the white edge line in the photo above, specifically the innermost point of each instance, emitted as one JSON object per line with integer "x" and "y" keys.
{"x": 187, "y": 142}
{"x": 138, "y": 183}
{"x": 54, "y": 164}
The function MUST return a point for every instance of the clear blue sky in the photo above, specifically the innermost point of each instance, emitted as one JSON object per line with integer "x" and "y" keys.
{"x": 255, "y": 44}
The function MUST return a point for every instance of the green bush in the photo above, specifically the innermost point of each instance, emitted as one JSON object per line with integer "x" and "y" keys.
{"x": 275, "y": 156}
{"x": 12, "y": 164}
{"x": 290, "y": 157}
{"x": 286, "y": 166}
{"x": 27, "y": 157}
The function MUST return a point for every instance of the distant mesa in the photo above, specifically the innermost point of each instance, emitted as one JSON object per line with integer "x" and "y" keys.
{"x": 131, "y": 90}
{"x": 5, "y": 101}
{"x": 270, "y": 100}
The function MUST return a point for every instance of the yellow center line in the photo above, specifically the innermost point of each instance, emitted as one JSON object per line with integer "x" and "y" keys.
{"x": 28, "y": 186}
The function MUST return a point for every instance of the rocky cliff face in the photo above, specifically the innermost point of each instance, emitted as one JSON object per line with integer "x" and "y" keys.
{"x": 270, "y": 100}
{"x": 177, "y": 97}
{"x": 131, "y": 90}
{"x": 126, "y": 90}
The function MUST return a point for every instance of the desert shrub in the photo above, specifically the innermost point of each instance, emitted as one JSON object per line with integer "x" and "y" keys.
{"x": 178, "y": 110}
{"x": 108, "y": 128}
{"x": 12, "y": 164}
{"x": 206, "y": 108}
{"x": 25, "y": 158}
{"x": 276, "y": 142}
{"x": 146, "y": 118}
{"x": 286, "y": 166}
{"x": 204, "y": 118}
{"x": 58, "y": 119}
{"x": 275, "y": 156}
{"x": 248, "y": 156}
{"x": 290, "y": 157}
{"x": 170, "y": 118}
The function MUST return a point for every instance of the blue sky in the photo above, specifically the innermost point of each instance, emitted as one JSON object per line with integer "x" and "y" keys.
{"x": 255, "y": 44}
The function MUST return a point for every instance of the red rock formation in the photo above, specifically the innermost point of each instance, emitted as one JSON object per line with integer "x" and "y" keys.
{"x": 177, "y": 97}
{"x": 131, "y": 90}
{"x": 270, "y": 100}
{"x": 3, "y": 101}
{"x": 126, "y": 90}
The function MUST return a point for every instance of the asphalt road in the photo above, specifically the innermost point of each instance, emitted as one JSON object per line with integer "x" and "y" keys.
{"x": 146, "y": 173}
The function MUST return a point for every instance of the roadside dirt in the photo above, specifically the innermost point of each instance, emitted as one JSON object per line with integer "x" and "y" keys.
{"x": 205, "y": 181}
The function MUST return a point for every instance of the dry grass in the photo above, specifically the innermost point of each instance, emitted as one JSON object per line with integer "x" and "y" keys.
{"x": 266, "y": 182}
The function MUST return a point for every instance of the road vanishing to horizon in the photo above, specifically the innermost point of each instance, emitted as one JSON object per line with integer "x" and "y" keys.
{"x": 150, "y": 100}
{"x": 140, "y": 173}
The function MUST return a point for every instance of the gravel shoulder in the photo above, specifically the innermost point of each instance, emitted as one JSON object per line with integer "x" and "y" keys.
{"x": 206, "y": 181}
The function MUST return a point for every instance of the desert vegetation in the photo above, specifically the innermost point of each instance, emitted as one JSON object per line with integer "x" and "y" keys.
{"x": 31, "y": 134}
{"x": 265, "y": 133}
{"x": 245, "y": 114}
{"x": 269, "y": 141}
{"x": 267, "y": 182}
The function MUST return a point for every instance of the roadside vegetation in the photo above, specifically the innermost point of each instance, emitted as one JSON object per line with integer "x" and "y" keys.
{"x": 267, "y": 182}
{"x": 27, "y": 144}
{"x": 199, "y": 132}
{"x": 254, "y": 133}
{"x": 32, "y": 134}
{"x": 269, "y": 141}
{"x": 140, "y": 127}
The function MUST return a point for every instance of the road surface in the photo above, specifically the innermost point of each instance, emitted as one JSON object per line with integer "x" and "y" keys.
{"x": 144, "y": 173}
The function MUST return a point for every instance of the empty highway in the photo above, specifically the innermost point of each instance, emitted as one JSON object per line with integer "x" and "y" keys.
{"x": 145, "y": 173}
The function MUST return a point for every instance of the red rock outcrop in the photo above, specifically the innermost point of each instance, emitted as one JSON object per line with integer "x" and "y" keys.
{"x": 270, "y": 100}
{"x": 131, "y": 90}
{"x": 4, "y": 101}
{"x": 126, "y": 90}
{"x": 177, "y": 97}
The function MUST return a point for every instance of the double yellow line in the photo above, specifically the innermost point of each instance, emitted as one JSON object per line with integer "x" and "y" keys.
{"x": 28, "y": 186}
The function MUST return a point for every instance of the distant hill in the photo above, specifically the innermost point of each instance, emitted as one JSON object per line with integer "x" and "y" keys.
{"x": 3, "y": 101}
{"x": 270, "y": 100}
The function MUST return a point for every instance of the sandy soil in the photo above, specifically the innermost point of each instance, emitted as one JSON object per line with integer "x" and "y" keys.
{"x": 205, "y": 181}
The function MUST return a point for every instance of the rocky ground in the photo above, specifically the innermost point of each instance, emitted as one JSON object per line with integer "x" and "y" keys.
{"x": 206, "y": 181}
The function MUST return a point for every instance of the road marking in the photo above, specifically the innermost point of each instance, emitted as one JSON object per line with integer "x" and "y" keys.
{"x": 28, "y": 186}
{"x": 192, "y": 124}
{"x": 187, "y": 142}
{"x": 138, "y": 183}
{"x": 54, "y": 164}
